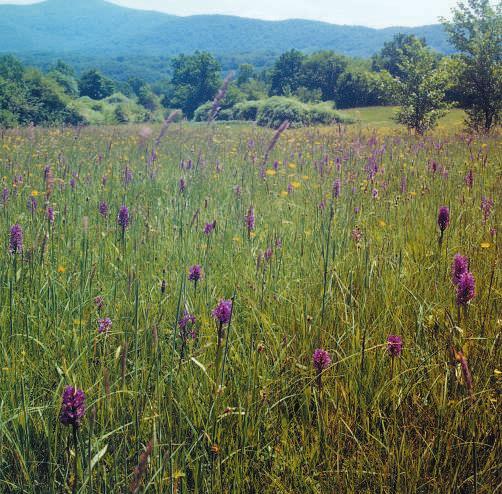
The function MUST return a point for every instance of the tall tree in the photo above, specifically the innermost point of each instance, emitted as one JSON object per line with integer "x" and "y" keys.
{"x": 420, "y": 90}
{"x": 196, "y": 79}
{"x": 286, "y": 75}
{"x": 321, "y": 71}
{"x": 95, "y": 85}
{"x": 476, "y": 31}
{"x": 394, "y": 52}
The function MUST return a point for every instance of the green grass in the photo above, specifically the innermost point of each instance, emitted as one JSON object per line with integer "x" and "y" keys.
{"x": 383, "y": 117}
{"x": 249, "y": 416}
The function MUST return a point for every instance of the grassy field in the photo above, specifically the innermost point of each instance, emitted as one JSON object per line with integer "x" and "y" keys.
{"x": 330, "y": 242}
{"x": 383, "y": 117}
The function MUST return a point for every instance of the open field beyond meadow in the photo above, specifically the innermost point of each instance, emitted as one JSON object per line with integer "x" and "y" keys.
{"x": 183, "y": 286}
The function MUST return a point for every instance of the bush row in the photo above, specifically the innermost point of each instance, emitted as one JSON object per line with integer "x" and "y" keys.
{"x": 271, "y": 112}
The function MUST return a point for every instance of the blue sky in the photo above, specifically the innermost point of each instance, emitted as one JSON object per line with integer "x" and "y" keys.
{"x": 373, "y": 13}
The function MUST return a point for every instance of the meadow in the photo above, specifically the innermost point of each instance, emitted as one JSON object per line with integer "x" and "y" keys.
{"x": 320, "y": 247}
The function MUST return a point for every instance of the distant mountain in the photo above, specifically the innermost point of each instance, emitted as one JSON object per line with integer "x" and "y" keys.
{"x": 98, "y": 28}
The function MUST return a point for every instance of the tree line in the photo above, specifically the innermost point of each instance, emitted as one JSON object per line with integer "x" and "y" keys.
{"x": 406, "y": 72}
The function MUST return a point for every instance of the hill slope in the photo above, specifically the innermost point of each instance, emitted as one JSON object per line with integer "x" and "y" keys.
{"x": 90, "y": 27}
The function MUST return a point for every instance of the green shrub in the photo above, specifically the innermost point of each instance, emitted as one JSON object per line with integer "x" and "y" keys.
{"x": 201, "y": 114}
{"x": 277, "y": 109}
{"x": 247, "y": 110}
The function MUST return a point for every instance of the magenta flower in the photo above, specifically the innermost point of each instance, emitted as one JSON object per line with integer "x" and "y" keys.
{"x": 250, "y": 220}
{"x": 72, "y": 407}
{"x": 50, "y": 215}
{"x": 223, "y": 311}
{"x": 469, "y": 179}
{"x": 209, "y": 228}
{"x": 186, "y": 324}
{"x": 123, "y": 217}
{"x": 443, "y": 218}
{"x": 394, "y": 346}
{"x": 104, "y": 325}
{"x": 16, "y": 239}
{"x": 195, "y": 273}
{"x": 99, "y": 302}
{"x": 321, "y": 360}
{"x": 486, "y": 206}
{"x": 103, "y": 209}
{"x": 458, "y": 268}
{"x": 337, "y": 185}
{"x": 466, "y": 289}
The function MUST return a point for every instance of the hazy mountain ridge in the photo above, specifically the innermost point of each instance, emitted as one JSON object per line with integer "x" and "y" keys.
{"x": 92, "y": 27}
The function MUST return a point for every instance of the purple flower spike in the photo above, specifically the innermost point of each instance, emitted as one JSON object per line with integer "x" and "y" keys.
{"x": 394, "y": 346}
{"x": 443, "y": 218}
{"x": 16, "y": 239}
{"x": 99, "y": 301}
{"x": 250, "y": 219}
{"x": 223, "y": 311}
{"x": 104, "y": 325}
{"x": 195, "y": 273}
{"x": 321, "y": 360}
{"x": 5, "y": 195}
{"x": 209, "y": 228}
{"x": 50, "y": 215}
{"x": 103, "y": 209}
{"x": 458, "y": 268}
{"x": 123, "y": 217}
{"x": 466, "y": 289}
{"x": 337, "y": 185}
{"x": 73, "y": 407}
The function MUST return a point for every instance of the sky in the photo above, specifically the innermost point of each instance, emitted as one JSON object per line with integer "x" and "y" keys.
{"x": 372, "y": 13}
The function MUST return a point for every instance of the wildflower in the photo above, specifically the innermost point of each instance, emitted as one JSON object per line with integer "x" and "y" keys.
{"x": 394, "y": 346}
{"x": 268, "y": 254}
{"x": 374, "y": 193}
{"x": 209, "y": 228}
{"x": 486, "y": 207}
{"x": 103, "y": 209}
{"x": 466, "y": 289}
{"x": 459, "y": 267}
{"x": 250, "y": 220}
{"x": 99, "y": 302}
{"x": 32, "y": 204}
{"x": 187, "y": 321}
{"x": 104, "y": 325}
{"x": 50, "y": 215}
{"x": 223, "y": 311}
{"x": 321, "y": 360}
{"x": 123, "y": 217}
{"x": 182, "y": 185}
{"x": 16, "y": 239}
{"x": 5, "y": 195}
{"x": 469, "y": 179}
{"x": 443, "y": 218}
{"x": 72, "y": 183}
{"x": 337, "y": 184}
{"x": 73, "y": 407}
{"x": 195, "y": 273}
